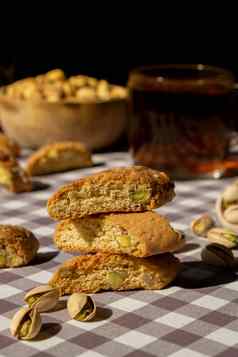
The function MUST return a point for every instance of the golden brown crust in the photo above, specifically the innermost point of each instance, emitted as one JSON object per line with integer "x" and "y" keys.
{"x": 158, "y": 185}
{"x": 18, "y": 246}
{"x": 151, "y": 228}
{"x": 147, "y": 233}
{"x": 12, "y": 176}
{"x": 59, "y": 156}
{"x": 9, "y": 145}
{"x": 89, "y": 273}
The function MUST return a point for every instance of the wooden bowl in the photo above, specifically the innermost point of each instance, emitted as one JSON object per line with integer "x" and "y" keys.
{"x": 33, "y": 124}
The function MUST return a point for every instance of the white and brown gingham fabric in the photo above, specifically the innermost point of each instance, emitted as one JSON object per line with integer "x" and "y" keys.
{"x": 196, "y": 316}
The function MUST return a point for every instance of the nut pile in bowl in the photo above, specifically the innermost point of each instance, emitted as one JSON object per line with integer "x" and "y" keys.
{"x": 51, "y": 108}
{"x": 54, "y": 87}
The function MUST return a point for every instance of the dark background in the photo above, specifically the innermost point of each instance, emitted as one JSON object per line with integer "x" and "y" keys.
{"x": 107, "y": 67}
{"x": 109, "y": 47}
{"x": 107, "y": 41}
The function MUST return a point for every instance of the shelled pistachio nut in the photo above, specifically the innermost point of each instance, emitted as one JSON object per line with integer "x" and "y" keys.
{"x": 231, "y": 214}
{"x": 81, "y": 307}
{"x": 218, "y": 255}
{"x": 223, "y": 236}
{"x": 116, "y": 278}
{"x": 26, "y": 323}
{"x": 124, "y": 241}
{"x": 231, "y": 193}
{"x": 202, "y": 224}
{"x": 43, "y": 298}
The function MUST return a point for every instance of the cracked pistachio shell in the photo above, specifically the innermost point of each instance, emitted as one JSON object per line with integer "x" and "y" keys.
{"x": 218, "y": 255}
{"x": 81, "y": 307}
{"x": 231, "y": 193}
{"x": 231, "y": 214}
{"x": 26, "y": 323}
{"x": 43, "y": 298}
{"x": 223, "y": 236}
{"x": 202, "y": 224}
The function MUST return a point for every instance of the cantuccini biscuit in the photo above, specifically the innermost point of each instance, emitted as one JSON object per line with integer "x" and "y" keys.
{"x": 9, "y": 145}
{"x": 139, "y": 234}
{"x": 58, "y": 157}
{"x": 128, "y": 189}
{"x": 18, "y": 246}
{"x": 12, "y": 176}
{"x": 92, "y": 273}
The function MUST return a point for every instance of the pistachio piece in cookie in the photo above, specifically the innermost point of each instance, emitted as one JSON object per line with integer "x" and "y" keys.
{"x": 56, "y": 157}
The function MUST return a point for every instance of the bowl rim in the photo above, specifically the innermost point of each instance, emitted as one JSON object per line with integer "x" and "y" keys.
{"x": 63, "y": 102}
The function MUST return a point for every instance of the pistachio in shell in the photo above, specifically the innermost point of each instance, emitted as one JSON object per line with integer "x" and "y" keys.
{"x": 26, "y": 323}
{"x": 231, "y": 214}
{"x": 230, "y": 194}
{"x": 223, "y": 236}
{"x": 81, "y": 307}
{"x": 202, "y": 224}
{"x": 43, "y": 298}
{"x": 218, "y": 255}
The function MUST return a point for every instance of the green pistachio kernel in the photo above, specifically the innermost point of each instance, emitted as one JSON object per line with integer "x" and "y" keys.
{"x": 32, "y": 299}
{"x": 116, "y": 279}
{"x": 2, "y": 260}
{"x": 25, "y": 328}
{"x": 124, "y": 241}
{"x": 140, "y": 195}
{"x": 231, "y": 237}
{"x": 86, "y": 311}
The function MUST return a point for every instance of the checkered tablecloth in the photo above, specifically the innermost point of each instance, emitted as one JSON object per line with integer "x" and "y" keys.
{"x": 195, "y": 317}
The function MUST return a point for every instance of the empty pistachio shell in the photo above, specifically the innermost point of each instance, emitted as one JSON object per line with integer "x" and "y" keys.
{"x": 231, "y": 214}
{"x": 43, "y": 298}
{"x": 202, "y": 224}
{"x": 26, "y": 323}
{"x": 218, "y": 255}
{"x": 220, "y": 215}
{"x": 231, "y": 193}
{"x": 81, "y": 307}
{"x": 223, "y": 236}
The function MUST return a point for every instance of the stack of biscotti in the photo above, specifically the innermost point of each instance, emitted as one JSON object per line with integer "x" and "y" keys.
{"x": 110, "y": 214}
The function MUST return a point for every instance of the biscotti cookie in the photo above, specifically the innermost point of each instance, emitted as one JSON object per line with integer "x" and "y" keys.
{"x": 18, "y": 246}
{"x": 58, "y": 157}
{"x": 92, "y": 273}
{"x": 9, "y": 145}
{"x": 128, "y": 189}
{"x": 12, "y": 176}
{"x": 139, "y": 234}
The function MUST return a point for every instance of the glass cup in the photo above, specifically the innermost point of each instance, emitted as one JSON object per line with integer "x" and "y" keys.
{"x": 181, "y": 120}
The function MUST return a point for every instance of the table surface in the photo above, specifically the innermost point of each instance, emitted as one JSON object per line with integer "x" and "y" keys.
{"x": 196, "y": 316}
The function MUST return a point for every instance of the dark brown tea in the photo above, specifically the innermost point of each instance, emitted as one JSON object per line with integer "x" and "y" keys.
{"x": 180, "y": 118}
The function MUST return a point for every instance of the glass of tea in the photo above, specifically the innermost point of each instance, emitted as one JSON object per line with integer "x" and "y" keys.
{"x": 181, "y": 120}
